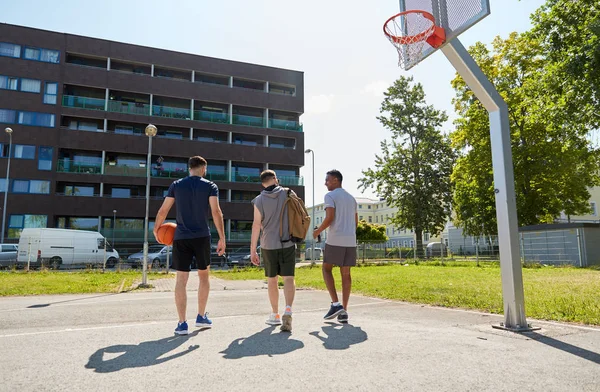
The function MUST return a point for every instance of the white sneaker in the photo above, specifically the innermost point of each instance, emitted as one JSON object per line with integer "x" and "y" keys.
{"x": 274, "y": 319}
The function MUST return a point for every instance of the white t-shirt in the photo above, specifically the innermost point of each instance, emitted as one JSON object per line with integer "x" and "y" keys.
{"x": 342, "y": 231}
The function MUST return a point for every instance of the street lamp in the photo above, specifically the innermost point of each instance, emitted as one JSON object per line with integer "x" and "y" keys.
{"x": 9, "y": 131}
{"x": 114, "y": 227}
{"x": 150, "y": 132}
{"x": 312, "y": 256}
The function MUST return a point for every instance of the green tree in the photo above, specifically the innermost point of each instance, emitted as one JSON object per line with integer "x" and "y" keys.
{"x": 553, "y": 161}
{"x": 370, "y": 232}
{"x": 413, "y": 170}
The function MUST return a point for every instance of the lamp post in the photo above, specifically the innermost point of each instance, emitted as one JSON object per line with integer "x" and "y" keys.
{"x": 9, "y": 131}
{"x": 312, "y": 256}
{"x": 114, "y": 227}
{"x": 150, "y": 132}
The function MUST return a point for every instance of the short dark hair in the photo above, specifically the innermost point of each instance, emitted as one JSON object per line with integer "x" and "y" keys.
{"x": 267, "y": 175}
{"x": 196, "y": 162}
{"x": 336, "y": 174}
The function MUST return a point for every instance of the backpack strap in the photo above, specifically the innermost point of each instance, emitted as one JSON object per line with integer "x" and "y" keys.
{"x": 287, "y": 199}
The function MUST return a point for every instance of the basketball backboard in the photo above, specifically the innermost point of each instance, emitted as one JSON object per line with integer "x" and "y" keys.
{"x": 454, "y": 16}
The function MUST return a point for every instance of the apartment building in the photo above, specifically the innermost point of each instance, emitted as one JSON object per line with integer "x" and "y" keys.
{"x": 78, "y": 107}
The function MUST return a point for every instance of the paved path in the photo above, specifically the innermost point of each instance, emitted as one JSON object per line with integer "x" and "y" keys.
{"x": 124, "y": 342}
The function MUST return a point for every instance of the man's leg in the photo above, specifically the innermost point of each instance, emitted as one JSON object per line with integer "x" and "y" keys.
{"x": 203, "y": 290}
{"x": 346, "y": 285}
{"x": 273, "y": 289}
{"x": 181, "y": 294}
{"x": 289, "y": 290}
{"x": 329, "y": 281}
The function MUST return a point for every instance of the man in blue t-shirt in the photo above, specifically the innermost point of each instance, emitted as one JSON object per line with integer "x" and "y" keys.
{"x": 192, "y": 196}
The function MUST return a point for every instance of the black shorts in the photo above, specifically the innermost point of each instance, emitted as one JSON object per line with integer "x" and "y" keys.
{"x": 184, "y": 252}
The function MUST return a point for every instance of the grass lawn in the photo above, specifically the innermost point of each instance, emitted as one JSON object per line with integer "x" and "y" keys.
{"x": 52, "y": 282}
{"x": 551, "y": 293}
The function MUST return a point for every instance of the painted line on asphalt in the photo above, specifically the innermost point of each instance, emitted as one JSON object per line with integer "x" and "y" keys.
{"x": 151, "y": 323}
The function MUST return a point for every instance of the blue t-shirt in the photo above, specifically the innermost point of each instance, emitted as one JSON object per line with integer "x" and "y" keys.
{"x": 191, "y": 201}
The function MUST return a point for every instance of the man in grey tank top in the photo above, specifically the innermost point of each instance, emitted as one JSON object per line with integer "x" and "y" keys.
{"x": 278, "y": 252}
{"x": 341, "y": 218}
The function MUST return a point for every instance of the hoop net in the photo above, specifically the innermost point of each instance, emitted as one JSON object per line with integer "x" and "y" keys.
{"x": 408, "y": 31}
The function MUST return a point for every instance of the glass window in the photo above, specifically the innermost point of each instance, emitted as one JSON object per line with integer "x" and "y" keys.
{"x": 2, "y": 185}
{"x": 8, "y": 82}
{"x": 74, "y": 190}
{"x": 20, "y": 186}
{"x": 7, "y": 116}
{"x": 370, "y": 219}
{"x": 23, "y": 151}
{"x": 40, "y": 119}
{"x": 45, "y": 158}
{"x": 10, "y": 50}
{"x": 50, "y": 56}
{"x": 83, "y": 223}
{"x": 31, "y": 54}
{"x": 50, "y": 93}
{"x": 41, "y": 187}
{"x": 121, "y": 192}
{"x": 30, "y": 85}
{"x": 593, "y": 208}
{"x": 17, "y": 223}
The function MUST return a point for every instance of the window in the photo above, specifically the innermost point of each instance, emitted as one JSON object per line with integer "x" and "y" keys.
{"x": 360, "y": 217}
{"x": 369, "y": 207}
{"x": 74, "y": 190}
{"x": 360, "y": 206}
{"x": 2, "y": 185}
{"x": 121, "y": 192}
{"x": 593, "y": 208}
{"x": 426, "y": 237}
{"x": 376, "y": 219}
{"x": 370, "y": 219}
{"x": 50, "y": 92}
{"x": 22, "y": 151}
{"x": 40, "y": 119}
{"x": 7, "y": 116}
{"x": 10, "y": 50}
{"x": 45, "y": 55}
{"x": 31, "y": 186}
{"x": 8, "y": 82}
{"x": 17, "y": 223}
{"x": 45, "y": 158}
{"x": 30, "y": 85}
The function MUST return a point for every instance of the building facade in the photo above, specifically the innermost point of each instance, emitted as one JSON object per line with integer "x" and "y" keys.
{"x": 78, "y": 108}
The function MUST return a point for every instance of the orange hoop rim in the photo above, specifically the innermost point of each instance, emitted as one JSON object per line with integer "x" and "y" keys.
{"x": 410, "y": 39}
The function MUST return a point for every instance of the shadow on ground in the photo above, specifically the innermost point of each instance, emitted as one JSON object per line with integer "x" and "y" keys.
{"x": 566, "y": 347}
{"x": 340, "y": 336}
{"x": 264, "y": 342}
{"x": 139, "y": 355}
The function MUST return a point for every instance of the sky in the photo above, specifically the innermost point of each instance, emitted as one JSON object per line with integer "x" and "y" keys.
{"x": 339, "y": 45}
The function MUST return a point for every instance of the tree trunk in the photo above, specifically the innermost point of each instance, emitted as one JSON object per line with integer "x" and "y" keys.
{"x": 419, "y": 241}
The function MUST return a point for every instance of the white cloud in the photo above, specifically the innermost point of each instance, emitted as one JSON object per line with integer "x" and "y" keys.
{"x": 376, "y": 88}
{"x": 319, "y": 104}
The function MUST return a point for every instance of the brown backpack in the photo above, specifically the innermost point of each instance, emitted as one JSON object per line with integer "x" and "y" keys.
{"x": 298, "y": 219}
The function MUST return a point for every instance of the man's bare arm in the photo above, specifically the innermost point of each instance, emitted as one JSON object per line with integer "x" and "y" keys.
{"x": 217, "y": 216}
{"x": 162, "y": 213}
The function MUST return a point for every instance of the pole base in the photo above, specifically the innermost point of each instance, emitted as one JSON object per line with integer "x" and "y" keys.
{"x": 517, "y": 329}
{"x": 144, "y": 286}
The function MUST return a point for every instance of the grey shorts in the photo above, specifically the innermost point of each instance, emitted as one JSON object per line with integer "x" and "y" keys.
{"x": 342, "y": 256}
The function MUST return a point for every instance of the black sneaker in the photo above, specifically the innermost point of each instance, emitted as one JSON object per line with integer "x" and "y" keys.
{"x": 334, "y": 311}
{"x": 343, "y": 318}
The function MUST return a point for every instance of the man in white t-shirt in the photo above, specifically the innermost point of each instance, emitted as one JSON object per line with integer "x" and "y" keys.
{"x": 341, "y": 218}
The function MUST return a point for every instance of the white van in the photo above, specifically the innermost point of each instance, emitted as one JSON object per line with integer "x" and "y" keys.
{"x": 56, "y": 247}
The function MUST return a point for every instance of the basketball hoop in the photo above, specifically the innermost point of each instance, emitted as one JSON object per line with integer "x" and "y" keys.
{"x": 408, "y": 31}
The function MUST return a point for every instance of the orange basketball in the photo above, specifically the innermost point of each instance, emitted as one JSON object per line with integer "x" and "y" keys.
{"x": 166, "y": 232}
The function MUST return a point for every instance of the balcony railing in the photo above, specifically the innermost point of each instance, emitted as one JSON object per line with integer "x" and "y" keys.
{"x": 171, "y": 112}
{"x": 252, "y": 121}
{"x": 208, "y": 116}
{"x": 217, "y": 176}
{"x": 69, "y": 166}
{"x": 237, "y": 177}
{"x": 288, "y": 125}
{"x": 240, "y": 234}
{"x": 291, "y": 180}
{"x": 72, "y": 101}
{"x": 129, "y": 107}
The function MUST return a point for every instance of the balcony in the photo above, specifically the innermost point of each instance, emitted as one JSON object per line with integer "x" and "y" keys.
{"x": 217, "y": 176}
{"x": 171, "y": 112}
{"x": 251, "y": 121}
{"x": 213, "y": 117}
{"x": 287, "y": 125}
{"x": 237, "y": 177}
{"x": 129, "y": 107}
{"x": 127, "y": 235}
{"x": 68, "y": 166}
{"x": 72, "y": 101}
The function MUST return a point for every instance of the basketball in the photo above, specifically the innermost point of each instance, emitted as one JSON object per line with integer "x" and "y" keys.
{"x": 166, "y": 232}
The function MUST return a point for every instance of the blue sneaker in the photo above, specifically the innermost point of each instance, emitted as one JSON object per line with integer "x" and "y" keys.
{"x": 182, "y": 329}
{"x": 334, "y": 311}
{"x": 203, "y": 322}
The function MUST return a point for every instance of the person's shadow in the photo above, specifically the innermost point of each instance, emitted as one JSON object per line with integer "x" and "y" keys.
{"x": 262, "y": 343}
{"x": 340, "y": 336}
{"x": 138, "y": 355}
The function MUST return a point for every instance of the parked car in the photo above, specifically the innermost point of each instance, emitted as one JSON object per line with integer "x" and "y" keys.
{"x": 241, "y": 259}
{"x": 157, "y": 257}
{"x": 8, "y": 255}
